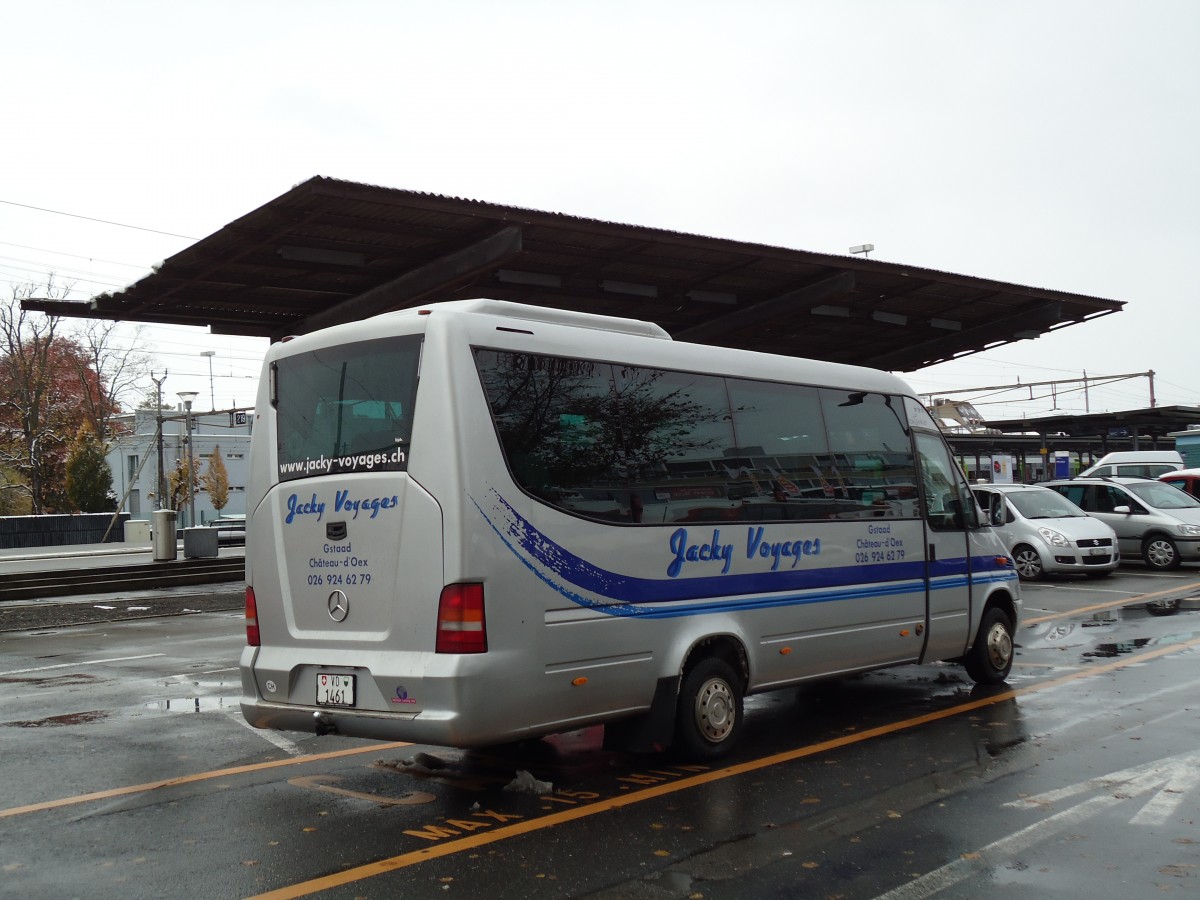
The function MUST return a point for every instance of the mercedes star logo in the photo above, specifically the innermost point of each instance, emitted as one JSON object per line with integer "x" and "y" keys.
{"x": 339, "y": 606}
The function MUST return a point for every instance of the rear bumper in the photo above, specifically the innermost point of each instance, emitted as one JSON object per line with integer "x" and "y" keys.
{"x": 269, "y": 700}
{"x": 451, "y": 708}
{"x": 418, "y": 728}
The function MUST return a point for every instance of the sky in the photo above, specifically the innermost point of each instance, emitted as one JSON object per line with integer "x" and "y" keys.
{"x": 1049, "y": 144}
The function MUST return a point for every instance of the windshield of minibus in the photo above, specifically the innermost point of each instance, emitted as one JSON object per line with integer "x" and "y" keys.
{"x": 347, "y": 408}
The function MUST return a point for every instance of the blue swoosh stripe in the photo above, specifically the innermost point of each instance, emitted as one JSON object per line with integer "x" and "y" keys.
{"x": 544, "y": 557}
{"x": 629, "y": 589}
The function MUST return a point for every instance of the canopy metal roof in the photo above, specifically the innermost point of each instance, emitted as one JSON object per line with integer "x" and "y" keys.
{"x": 331, "y": 251}
{"x": 1154, "y": 422}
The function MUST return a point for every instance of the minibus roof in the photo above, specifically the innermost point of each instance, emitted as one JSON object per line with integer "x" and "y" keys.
{"x": 524, "y": 312}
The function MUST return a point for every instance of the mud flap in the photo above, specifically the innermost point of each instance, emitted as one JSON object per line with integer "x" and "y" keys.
{"x": 650, "y": 732}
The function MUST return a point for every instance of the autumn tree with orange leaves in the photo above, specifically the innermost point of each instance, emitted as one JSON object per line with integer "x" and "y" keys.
{"x": 49, "y": 385}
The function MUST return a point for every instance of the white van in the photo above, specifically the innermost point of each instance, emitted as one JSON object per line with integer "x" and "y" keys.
{"x": 1135, "y": 464}
{"x": 479, "y": 522}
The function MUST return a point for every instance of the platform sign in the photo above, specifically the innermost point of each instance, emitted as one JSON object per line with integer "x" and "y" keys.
{"x": 1002, "y": 469}
{"x": 1062, "y": 464}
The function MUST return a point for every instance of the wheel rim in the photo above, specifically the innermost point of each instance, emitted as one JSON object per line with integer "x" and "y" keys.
{"x": 715, "y": 710}
{"x": 1160, "y": 553}
{"x": 1028, "y": 563}
{"x": 999, "y": 646}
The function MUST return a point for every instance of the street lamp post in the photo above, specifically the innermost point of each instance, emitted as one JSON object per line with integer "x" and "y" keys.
{"x": 212, "y": 395}
{"x": 161, "y": 485}
{"x": 187, "y": 397}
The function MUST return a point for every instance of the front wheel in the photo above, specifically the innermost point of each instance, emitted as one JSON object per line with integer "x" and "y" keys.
{"x": 990, "y": 659}
{"x": 1028, "y": 563}
{"x": 1160, "y": 552}
{"x": 708, "y": 719}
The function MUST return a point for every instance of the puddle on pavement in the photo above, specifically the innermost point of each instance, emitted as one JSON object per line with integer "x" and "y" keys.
{"x": 1116, "y": 648}
{"x": 52, "y": 680}
{"x": 194, "y": 704}
{"x": 82, "y": 718}
{"x": 179, "y": 705}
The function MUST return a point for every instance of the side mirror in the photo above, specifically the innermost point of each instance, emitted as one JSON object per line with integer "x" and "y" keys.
{"x": 1123, "y": 510}
{"x": 996, "y": 509}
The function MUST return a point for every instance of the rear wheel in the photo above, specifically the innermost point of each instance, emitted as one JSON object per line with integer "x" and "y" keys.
{"x": 1028, "y": 563}
{"x": 1160, "y": 552}
{"x": 990, "y": 659}
{"x": 709, "y": 716}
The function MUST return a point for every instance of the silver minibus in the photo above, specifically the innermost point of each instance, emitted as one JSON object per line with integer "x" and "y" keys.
{"x": 479, "y": 522}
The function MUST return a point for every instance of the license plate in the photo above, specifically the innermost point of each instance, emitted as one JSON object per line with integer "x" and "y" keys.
{"x": 1099, "y": 551}
{"x": 335, "y": 690}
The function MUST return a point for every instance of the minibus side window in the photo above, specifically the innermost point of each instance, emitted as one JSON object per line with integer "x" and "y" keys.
{"x": 680, "y": 459}
{"x": 781, "y": 449}
{"x": 641, "y": 445}
{"x": 554, "y": 419}
{"x": 870, "y": 459}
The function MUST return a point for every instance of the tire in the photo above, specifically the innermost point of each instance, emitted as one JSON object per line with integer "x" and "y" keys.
{"x": 990, "y": 659}
{"x": 709, "y": 717}
{"x": 1028, "y": 563}
{"x": 1163, "y": 607}
{"x": 1160, "y": 552}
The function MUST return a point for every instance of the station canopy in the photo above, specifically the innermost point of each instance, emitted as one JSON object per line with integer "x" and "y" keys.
{"x": 330, "y": 251}
{"x": 1154, "y": 422}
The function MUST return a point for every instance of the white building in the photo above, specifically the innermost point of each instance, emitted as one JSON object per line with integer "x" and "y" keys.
{"x": 133, "y": 458}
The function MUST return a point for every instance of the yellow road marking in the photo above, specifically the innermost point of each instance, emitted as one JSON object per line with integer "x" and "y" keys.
{"x": 471, "y": 842}
{"x": 1113, "y": 604}
{"x": 191, "y": 779}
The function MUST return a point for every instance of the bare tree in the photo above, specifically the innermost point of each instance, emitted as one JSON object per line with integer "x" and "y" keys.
{"x": 27, "y": 358}
{"x": 114, "y": 375}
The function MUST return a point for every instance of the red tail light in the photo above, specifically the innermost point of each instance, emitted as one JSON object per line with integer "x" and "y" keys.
{"x": 251, "y": 618}
{"x": 461, "y": 627}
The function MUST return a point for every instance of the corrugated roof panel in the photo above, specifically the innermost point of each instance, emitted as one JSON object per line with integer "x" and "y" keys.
{"x": 320, "y": 247}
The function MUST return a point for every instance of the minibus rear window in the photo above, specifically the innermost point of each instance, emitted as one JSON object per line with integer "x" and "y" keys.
{"x": 347, "y": 408}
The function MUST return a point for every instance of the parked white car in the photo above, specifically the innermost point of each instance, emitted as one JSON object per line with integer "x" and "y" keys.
{"x": 1046, "y": 532}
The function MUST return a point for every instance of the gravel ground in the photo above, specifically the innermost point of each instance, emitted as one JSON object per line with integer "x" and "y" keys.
{"x": 37, "y": 615}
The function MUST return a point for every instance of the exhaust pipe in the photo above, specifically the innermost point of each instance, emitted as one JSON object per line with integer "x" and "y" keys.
{"x": 324, "y": 724}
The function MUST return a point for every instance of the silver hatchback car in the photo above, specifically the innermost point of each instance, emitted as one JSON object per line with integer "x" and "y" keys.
{"x": 1045, "y": 532}
{"x": 1155, "y": 520}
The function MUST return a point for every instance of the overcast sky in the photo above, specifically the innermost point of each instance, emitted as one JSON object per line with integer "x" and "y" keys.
{"x": 1051, "y": 144}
